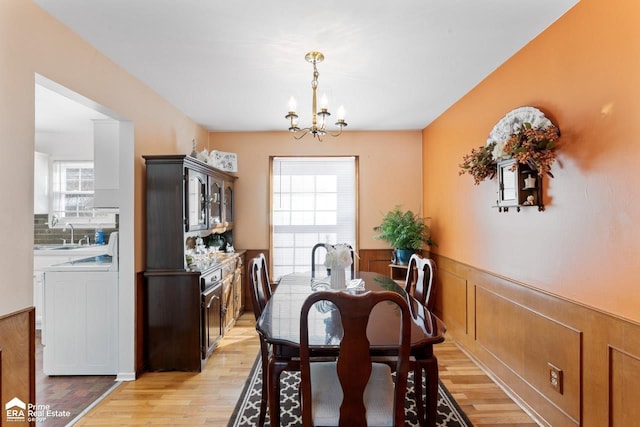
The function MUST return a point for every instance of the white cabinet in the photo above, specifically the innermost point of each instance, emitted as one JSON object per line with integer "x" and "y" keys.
{"x": 43, "y": 259}
{"x": 106, "y": 152}
{"x": 40, "y": 262}
{"x": 40, "y": 183}
{"x": 80, "y": 323}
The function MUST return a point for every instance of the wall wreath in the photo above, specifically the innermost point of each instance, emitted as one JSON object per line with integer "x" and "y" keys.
{"x": 523, "y": 134}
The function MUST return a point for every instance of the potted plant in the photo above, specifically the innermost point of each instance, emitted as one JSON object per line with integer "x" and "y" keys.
{"x": 405, "y": 231}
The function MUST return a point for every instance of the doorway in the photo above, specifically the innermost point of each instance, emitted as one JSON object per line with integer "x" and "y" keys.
{"x": 63, "y": 130}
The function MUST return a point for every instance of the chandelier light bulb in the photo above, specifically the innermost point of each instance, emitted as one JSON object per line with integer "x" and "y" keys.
{"x": 292, "y": 105}
{"x": 340, "y": 113}
{"x": 324, "y": 102}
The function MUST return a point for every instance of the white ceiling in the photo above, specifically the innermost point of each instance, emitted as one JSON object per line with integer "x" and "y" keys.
{"x": 232, "y": 66}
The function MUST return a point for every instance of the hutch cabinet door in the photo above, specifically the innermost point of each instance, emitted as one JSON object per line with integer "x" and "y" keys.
{"x": 238, "y": 298}
{"x": 195, "y": 202}
{"x": 215, "y": 199}
{"x": 228, "y": 201}
{"x": 211, "y": 319}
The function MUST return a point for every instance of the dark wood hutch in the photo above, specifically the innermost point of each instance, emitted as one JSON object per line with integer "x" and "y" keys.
{"x": 187, "y": 307}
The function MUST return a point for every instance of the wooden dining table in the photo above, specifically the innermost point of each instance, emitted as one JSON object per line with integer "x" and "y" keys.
{"x": 280, "y": 322}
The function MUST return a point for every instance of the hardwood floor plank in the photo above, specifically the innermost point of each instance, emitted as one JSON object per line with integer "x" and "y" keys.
{"x": 209, "y": 397}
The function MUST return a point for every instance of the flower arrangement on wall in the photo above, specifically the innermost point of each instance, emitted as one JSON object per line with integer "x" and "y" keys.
{"x": 480, "y": 163}
{"x": 524, "y": 134}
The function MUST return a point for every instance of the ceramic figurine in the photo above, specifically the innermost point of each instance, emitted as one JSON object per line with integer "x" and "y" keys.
{"x": 194, "y": 148}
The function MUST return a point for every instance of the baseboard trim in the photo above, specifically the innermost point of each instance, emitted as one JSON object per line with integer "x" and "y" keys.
{"x": 126, "y": 376}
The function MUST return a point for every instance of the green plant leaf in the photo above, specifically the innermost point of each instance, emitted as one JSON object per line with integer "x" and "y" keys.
{"x": 404, "y": 230}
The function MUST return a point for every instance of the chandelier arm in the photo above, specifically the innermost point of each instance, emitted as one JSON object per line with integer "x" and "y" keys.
{"x": 342, "y": 124}
{"x": 304, "y": 132}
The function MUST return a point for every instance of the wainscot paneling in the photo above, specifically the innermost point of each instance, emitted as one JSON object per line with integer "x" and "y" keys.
{"x": 625, "y": 388}
{"x": 518, "y": 334}
{"x": 527, "y": 352}
{"x": 451, "y": 297}
{"x": 376, "y": 260}
{"x": 17, "y": 353}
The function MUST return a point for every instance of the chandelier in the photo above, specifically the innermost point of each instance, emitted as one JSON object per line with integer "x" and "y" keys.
{"x": 318, "y": 118}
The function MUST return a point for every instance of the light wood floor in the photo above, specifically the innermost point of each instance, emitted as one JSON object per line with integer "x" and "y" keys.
{"x": 209, "y": 397}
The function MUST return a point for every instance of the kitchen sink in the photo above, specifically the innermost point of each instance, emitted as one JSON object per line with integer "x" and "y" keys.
{"x": 58, "y": 247}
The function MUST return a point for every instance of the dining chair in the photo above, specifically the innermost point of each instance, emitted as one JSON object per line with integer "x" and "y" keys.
{"x": 420, "y": 283}
{"x": 353, "y": 390}
{"x": 323, "y": 246}
{"x": 266, "y": 281}
{"x": 260, "y": 294}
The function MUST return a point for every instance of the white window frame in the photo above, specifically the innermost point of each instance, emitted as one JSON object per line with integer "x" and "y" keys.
{"x": 290, "y": 244}
{"x": 85, "y": 218}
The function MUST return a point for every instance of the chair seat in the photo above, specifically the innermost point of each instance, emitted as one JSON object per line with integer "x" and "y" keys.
{"x": 327, "y": 395}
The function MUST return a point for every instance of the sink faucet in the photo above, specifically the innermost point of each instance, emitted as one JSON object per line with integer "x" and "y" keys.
{"x": 86, "y": 239}
{"x": 71, "y": 227}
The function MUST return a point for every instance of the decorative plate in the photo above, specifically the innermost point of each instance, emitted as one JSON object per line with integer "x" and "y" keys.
{"x": 513, "y": 120}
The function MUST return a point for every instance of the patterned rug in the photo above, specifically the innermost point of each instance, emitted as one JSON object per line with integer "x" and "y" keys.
{"x": 246, "y": 411}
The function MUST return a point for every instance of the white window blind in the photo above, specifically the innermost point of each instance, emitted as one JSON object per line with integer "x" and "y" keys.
{"x": 72, "y": 196}
{"x": 313, "y": 201}
{"x": 72, "y": 189}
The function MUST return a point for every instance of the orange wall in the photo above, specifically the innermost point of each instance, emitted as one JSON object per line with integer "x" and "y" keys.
{"x": 390, "y": 174}
{"x": 584, "y": 73}
{"x": 31, "y": 41}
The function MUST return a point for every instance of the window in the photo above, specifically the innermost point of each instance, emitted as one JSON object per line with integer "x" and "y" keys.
{"x": 72, "y": 193}
{"x": 313, "y": 201}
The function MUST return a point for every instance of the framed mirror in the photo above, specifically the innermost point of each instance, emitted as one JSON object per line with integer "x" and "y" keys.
{"x": 508, "y": 183}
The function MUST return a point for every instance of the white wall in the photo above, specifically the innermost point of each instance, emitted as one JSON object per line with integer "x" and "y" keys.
{"x": 33, "y": 43}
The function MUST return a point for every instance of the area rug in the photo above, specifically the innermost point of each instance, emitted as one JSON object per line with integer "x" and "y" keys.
{"x": 248, "y": 406}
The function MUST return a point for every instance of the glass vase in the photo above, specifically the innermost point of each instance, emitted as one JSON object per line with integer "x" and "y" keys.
{"x": 338, "y": 280}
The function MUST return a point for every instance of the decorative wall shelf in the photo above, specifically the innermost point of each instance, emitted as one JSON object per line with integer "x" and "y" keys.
{"x": 519, "y": 151}
{"x": 518, "y": 186}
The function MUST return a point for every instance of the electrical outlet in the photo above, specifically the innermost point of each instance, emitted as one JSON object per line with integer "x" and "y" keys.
{"x": 555, "y": 377}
